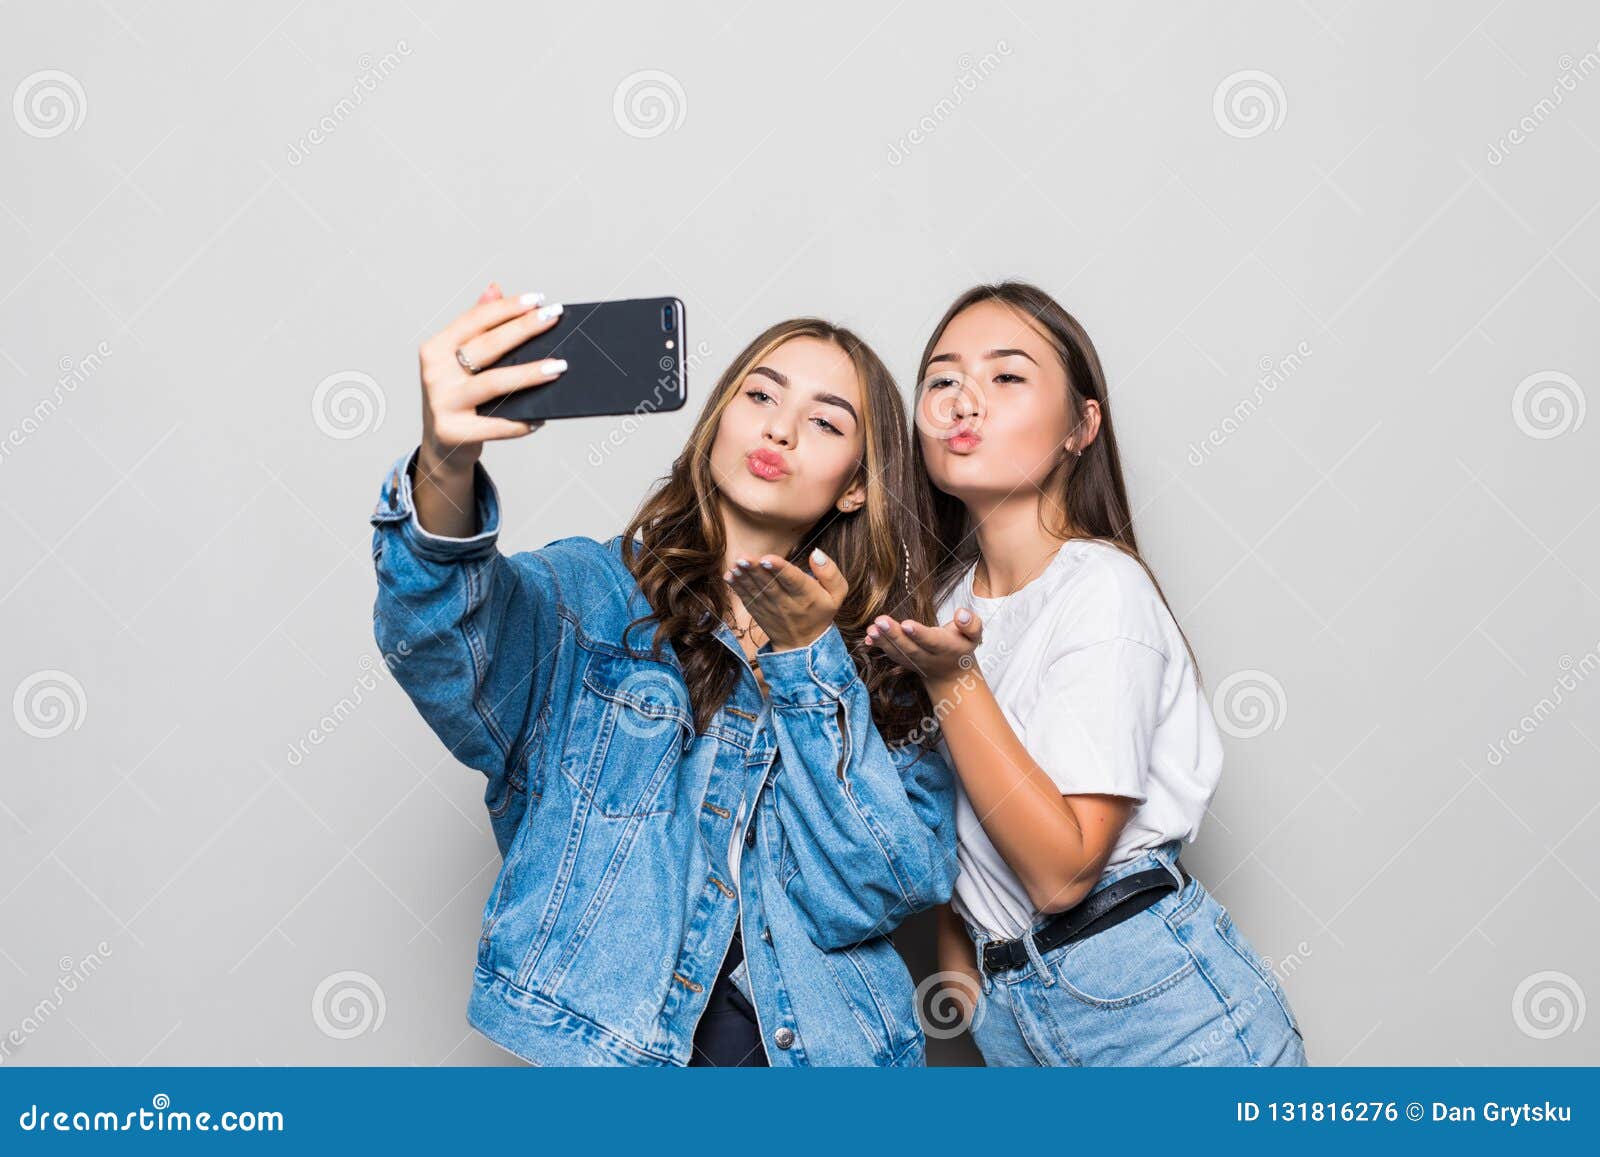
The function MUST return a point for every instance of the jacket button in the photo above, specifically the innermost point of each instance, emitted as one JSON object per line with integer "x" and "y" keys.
{"x": 750, "y": 836}
{"x": 783, "y": 1038}
{"x": 766, "y": 934}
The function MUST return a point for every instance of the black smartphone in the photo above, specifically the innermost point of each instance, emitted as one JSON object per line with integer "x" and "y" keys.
{"x": 623, "y": 357}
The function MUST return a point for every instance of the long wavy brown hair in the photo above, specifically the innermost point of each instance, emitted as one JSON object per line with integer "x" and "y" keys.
{"x": 1088, "y": 489}
{"x": 674, "y": 545}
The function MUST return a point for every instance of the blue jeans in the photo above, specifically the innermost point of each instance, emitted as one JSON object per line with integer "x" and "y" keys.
{"x": 1176, "y": 984}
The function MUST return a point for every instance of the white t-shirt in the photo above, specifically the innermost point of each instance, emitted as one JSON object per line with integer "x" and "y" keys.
{"x": 1091, "y": 672}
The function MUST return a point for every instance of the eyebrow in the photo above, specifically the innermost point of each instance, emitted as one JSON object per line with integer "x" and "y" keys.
{"x": 828, "y": 399}
{"x": 992, "y": 354}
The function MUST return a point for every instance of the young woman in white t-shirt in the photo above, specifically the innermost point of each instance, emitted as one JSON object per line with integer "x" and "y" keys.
{"x": 1071, "y": 708}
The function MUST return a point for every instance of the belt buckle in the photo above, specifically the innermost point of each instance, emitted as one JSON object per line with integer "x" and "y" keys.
{"x": 1003, "y": 955}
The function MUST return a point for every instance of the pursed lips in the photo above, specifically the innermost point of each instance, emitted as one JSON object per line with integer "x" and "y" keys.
{"x": 963, "y": 440}
{"x": 766, "y": 464}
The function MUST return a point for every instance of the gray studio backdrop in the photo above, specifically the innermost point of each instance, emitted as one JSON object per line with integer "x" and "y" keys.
{"x": 1342, "y": 261}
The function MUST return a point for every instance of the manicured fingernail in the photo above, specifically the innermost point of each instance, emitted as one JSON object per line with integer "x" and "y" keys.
{"x": 530, "y": 299}
{"x": 766, "y": 564}
{"x": 553, "y": 366}
{"x": 550, "y": 311}
{"x": 818, "y": 557}
{"x": 910, "y": 628}
{"x": 963, "y": 616}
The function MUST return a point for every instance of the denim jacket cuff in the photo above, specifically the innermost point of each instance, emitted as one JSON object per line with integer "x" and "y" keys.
{"x": 809, "y": 676}
{"x": 397, "y": 506}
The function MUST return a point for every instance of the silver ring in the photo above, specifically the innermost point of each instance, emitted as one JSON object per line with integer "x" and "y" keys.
{"x": 466, "y": 362}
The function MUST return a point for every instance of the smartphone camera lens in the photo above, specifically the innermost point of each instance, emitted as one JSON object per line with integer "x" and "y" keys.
{"x": 666, "y": 319}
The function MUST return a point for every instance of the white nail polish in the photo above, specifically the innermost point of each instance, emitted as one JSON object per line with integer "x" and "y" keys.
{"x": 550, "y": 311}
{"x": 553, "y": 366}
{"x": 530, "y": 299}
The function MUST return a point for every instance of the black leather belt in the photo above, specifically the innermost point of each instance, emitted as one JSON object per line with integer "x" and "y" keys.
{"x": 1098, "y": 911}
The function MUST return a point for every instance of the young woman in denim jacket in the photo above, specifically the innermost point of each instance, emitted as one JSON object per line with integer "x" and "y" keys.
{"x": 1084, "y": 748}
{"x": 679, "y": 727}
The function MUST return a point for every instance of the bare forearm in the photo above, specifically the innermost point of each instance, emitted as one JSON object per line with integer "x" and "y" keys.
{"x": 443, "y": 491}
{"x": 960, "y": 981}
{"x": 1023, "y": 812}
{"x": 953, "y": 945}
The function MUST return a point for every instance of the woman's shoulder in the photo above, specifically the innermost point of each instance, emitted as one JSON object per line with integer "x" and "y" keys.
{"x": 1102, "y": 592}
{"x": 587, "y": 581}
{"x": 581, "y": 569}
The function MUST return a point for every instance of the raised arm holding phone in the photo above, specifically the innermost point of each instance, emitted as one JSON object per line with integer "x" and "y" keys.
{"x": 712, "y": 802}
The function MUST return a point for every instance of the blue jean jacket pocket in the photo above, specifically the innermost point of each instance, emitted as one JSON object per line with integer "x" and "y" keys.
{"x": 629, "y": 727}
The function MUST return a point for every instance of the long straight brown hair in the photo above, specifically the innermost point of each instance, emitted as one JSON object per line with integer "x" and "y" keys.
{"x": 1088, "y": 488}
{"x": 878, "y": 547}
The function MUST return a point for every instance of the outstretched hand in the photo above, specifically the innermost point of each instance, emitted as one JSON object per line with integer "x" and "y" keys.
{"x": 794, "y": 608}
{"x": 939, "y": 654}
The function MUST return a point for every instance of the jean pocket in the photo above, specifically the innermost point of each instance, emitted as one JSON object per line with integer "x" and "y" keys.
{"x": 629, "y": 728}
{"x": 1126, "y": 964}
{"x": 873, "y": 980}
{"x": 1234, "y": 939}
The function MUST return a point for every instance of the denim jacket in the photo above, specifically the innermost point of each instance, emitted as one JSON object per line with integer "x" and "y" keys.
{"x": 630, "y": 845}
